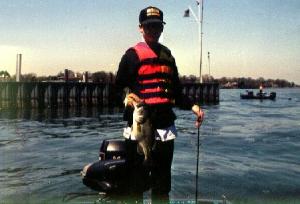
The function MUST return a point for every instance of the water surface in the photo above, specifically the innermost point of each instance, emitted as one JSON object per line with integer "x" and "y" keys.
{"x": 249, "y": 150}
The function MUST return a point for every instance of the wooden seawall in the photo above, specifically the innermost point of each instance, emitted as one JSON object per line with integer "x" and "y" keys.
{"x": 65, "y": 94}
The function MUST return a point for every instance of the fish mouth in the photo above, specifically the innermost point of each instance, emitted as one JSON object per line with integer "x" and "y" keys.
{"x": 142, "y": 104}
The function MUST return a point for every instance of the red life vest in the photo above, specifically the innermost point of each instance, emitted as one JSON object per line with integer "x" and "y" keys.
{"x": 154, "y": 77}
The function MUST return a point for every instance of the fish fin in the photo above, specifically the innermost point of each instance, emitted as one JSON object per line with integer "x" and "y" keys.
{"x": 139, "y": 150}
{"x": 139, "y": 128}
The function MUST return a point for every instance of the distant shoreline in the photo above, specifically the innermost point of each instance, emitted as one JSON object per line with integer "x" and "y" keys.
{"x": 295, "y": 87}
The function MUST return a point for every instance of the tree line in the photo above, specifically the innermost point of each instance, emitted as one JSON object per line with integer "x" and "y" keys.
{"x": 97, "y": 77}
{"x": 250, "y": 83}
{"x": 4, "y": 75}
{"x": 109, "y": 77}
{"x": 240, "y": 82}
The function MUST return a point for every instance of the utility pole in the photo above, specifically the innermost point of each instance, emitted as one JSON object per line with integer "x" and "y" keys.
{"x": 18, "y": 67}
{"x": 208, "y": 56}
{"x": 199, "y": 21}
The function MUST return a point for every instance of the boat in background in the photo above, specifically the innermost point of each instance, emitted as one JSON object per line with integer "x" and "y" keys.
{"x": 259, "y": 95}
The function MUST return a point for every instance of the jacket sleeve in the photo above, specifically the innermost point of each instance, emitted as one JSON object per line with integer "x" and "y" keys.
{"x": 126, "y": 78}
{"x": 127, "y": 71}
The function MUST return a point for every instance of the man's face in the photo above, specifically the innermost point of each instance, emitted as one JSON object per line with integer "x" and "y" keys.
{"x": 151, "y": 31}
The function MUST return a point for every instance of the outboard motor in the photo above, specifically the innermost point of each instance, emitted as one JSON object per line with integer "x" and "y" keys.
{"x": 110, "y": 174}
{"x": 107, "y": 174}
{"x": 273, "y": 95}
{"x": 112, "y": 149}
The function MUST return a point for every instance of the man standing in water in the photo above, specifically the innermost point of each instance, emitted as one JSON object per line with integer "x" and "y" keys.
{"x": 149, "y": 70}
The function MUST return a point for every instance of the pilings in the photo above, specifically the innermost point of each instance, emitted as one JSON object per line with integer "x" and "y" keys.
{"x": 65, "y": 94}
{"x": 204, "y": 93}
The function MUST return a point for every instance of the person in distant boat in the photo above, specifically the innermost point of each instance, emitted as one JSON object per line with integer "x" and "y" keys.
{"x": 148, "y": 70}
{"x": 260, "y": 89}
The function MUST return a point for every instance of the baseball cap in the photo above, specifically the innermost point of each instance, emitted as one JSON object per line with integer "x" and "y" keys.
{"x": 151, "y": 14}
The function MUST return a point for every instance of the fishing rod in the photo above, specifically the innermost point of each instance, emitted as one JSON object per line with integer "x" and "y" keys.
{"x": 197, "y": 166}
{"x": 196, "y": 109}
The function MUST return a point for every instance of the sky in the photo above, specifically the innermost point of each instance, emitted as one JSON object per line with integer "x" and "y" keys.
{"x": 245, "y": 38}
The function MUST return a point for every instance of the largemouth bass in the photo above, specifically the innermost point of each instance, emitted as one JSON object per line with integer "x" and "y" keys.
{"x": 141, "y": 128}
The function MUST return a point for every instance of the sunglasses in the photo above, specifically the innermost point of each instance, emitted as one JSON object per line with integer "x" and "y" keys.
{"x": 156, "y": 26}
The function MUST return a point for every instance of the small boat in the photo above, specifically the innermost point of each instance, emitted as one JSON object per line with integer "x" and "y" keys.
{"x": 260, "y": 95}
